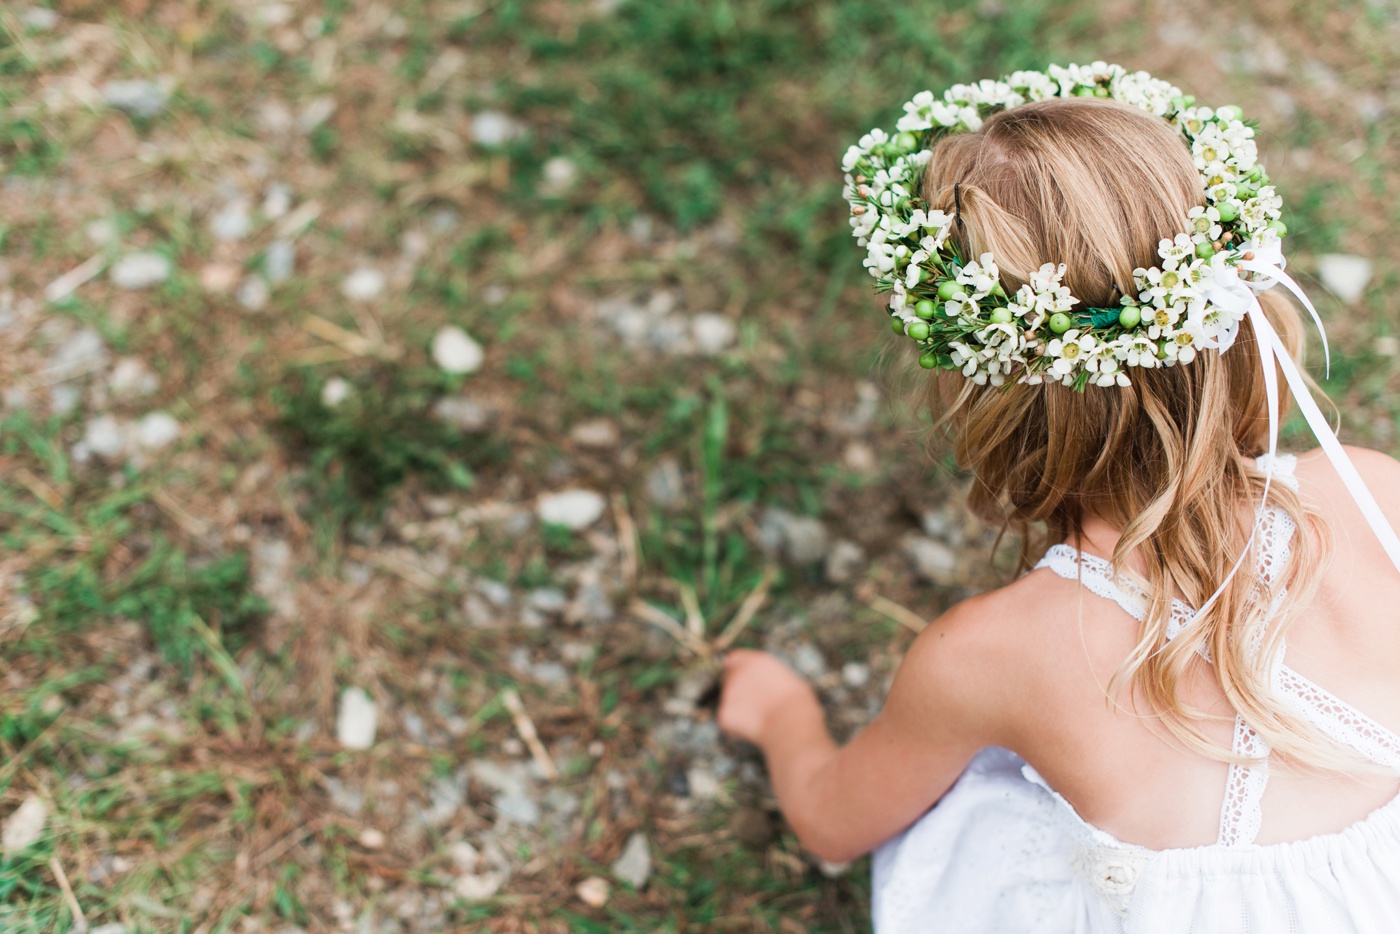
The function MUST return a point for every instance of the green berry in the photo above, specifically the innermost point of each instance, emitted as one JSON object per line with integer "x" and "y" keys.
{"x": 1100, "y": 91}
{"x": 997, "y": 290}
{"x": 897, "y": 326}
{"x": 1205, "y": 250}
{"x": 1190, "y": 100}
{"x": 1278, "y": 227}
{"x": 918, "y": 330}
{"x": 1247, "y": 190}
{"x": 1001, "y": 316}
{"x": 906, "y": 141}
{"x": 928, "y": 359}
{"x": 925, "y": 309}
{"x": 1228, "y": 211}
{"x": 1178, "y": 103}
{"x": 1255, "y": 174}
{"x": 1060, "y": 322}
{"x": 946, "y": 288}
{"x": 1130, "y": 316}
{"x": 1082, "y": 91}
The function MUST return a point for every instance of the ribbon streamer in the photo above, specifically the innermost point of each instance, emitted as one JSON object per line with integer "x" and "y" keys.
{"x": 1237, "y": 296}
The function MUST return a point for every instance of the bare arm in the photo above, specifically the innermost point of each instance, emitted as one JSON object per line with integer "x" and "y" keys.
{"x": 844, "y": 801}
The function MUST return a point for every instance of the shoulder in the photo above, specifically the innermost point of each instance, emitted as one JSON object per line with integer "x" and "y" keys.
{"x": 1379, "y": 471}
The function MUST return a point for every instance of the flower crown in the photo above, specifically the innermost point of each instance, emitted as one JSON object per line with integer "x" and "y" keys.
{"x": 955, "y": 307}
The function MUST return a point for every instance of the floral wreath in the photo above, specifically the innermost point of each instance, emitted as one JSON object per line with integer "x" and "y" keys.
{"x": 955, "y": 307}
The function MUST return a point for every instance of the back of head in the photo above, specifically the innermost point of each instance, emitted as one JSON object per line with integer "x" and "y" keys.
{"x": 1096, "y": 185}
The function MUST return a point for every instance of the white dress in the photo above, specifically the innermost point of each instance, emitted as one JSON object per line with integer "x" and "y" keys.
{"x": 1002, "y": 852}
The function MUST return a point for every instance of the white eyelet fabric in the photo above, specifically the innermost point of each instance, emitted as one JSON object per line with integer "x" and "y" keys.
{"x": 1003, "y": 852}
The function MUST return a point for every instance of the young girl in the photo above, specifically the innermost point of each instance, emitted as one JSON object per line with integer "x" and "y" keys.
{"x": 1121, "y": 739}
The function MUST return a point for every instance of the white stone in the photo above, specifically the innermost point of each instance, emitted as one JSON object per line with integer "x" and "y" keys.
{"x": 634, "y": 865}
{"x": 593, "y": 891}
{"x": 574, "y": 509}
{"x": 157, "y": 430}
{"x": 363, "y": 285}
{"x": 253, "y": 293}
{"x": 800, "y": 539}
{"x": 356, "y": 721}
{"x": 466, "y": 414}
{"x": 131, "y": 377}
{"x": 24, "y": 826}
{"x": 933, "y": 561}
{"x": 492, "y": 128}
{"x": 712, "y": 332}
{"x": 116, "y": 927}
{"x": 372, "y": 838}
{"x": 455, "y": 351}
{"x": 79, "y": 354}
{"x": 279, "y": 261}
{"x": 335, "y": 392}
{"x": 277, "y": 200}
{"x": 233, "y": 221}
{"x": 39, "y": 19}
{"x": 465, "y": 857}
{"x": 1387, "y": 345}
{"x": 1345, "y": 275}
{"x": 480, "y": 887}
{"x": 855, "y": 675}
{"x": 105, "y": 436}
{"x": 138, "y": 97}
{"x": 558, "y": 176}
{"x": 844, "y": 561}
{"x": 140, "y": 270}
{"x": 596, "y": 433}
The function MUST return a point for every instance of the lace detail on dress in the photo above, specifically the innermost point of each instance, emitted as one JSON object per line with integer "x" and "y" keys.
{"x": 1241, "y": 814}
{"x": 1100, "y": 577}
{"x": 1338, "y": 719}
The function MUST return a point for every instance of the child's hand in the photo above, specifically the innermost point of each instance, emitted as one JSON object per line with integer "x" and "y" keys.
{"x": 758, "y": 691}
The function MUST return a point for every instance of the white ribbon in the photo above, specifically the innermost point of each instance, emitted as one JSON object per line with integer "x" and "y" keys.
{"x": 1235, "y": 295}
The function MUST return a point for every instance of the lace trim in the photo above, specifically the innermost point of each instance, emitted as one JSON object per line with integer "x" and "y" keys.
{"x": 1241, "y": 814}
{"x": 1338, "y": 719}
{"x": 1100, "y": 577}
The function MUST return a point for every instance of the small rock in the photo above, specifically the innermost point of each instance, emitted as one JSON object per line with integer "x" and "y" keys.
{"x": 517, "y": 808}
{"x": 355, "y": 723}
{"x": 82, "y": 353}
{"x": 253, "y": 293}
{"x": 495, "y": 591}
{"x": 131, "y": 377}
{"x": 592, "y": 605}
{"x": 634, "y": 865}
{"x": 335, "y": 391}
{"x": 219, "y": 277}
{"x": 455, "y": 351}
{"x": 233, "y": 221}
{"x": 933, "y": 561}
{"x": 116, "y": 927}
{"x": 596, "y": 433}
{"x": 665, "y": 484}
{"x": 105, "y": 437}
{"x": 593, "y": 891}
{"x": 549, "y": 600}
{"x": 855, "y": 675}
{"x": 832, "y": 870}
{"x": 860, "y": 458}
{"x": 844, "y": 561}
{"x": 1345, "y": 275}
{"x": 493, "y": 129}
{"x": 559, "y": 175}
{"x": 39, "y": 19}
{"x": 277, "y": 200}
{"x": 800, "y": 539}
{"x": 574, "y": 509}
{"x": 157, "y": 430}
{"x": 808, "y": 661}
{"x": 713, "y": 333}
{"x": 464, "y": 413}
{"x": 24, "y": 826}
{"x": 1387, "y": 345}
{"x": 372, "y": 839}
{"x": 478, "y": 887}
{"x": 703, "y": 784}
{"x": 138, "y": 97}
{"x": 465, "y": 857}
{"x": 363, "y": 285}
{"x": 279, "y": 261}
{"x": 140, "y": 270}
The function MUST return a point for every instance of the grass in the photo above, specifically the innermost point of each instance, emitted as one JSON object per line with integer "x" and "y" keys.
{"x": 171, "y": 688}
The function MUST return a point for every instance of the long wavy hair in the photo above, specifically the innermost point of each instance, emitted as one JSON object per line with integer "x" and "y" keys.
{"x": 1168, "y": 460}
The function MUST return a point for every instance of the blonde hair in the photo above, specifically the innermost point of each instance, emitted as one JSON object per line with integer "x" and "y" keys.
{"x": 1168, "y": 460}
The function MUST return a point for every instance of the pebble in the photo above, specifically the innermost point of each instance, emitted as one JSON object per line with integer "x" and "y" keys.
{"x": 455, "y": 351}
{"x": 807, "y": 660}
{"x": 464, "y": 413}
{"x": 334, "y": 392}
{"x": 855, "y": 674}
{"x": 140, "y": 270}
{"x": 465, "y": 857}
{"x": 116, "y": 927}
{"x": 478, "y": 887}
{"x": 372, "y": 839}
{"x": 596, "y": 433}
{"x": 219, "y": 277}
{"x": 253, "y": 294}
{"x": 933, "y": 561}
{"x": 1345, "y": 275}
{"x": 105, "y": 437}
{"x": 83, "y": 352}
{"x": 665, "y": 484}
{"x": 493, "y": 129}
{"x": 157, "y": 430}
{"x": 279, "y": 261}
{"x": 494, "y": 591}
{"x": 39, "y": 19}
{"x": 550, "y": 600}
{"x": 356, "y": 720}
{"x": 573, "y": 509}
{"x": 558, "y": 175}
{"x": 800, "y": 539}
{"x": 139, "y": 97}
{"x": 131, "y": 377}
{"x": 233, "y": 221}
{"x": 594, "y": 891}
{"x": 277, "y": 200}
{"x": 713, "y": 333}
{"x": 634, "y": 865}
{"x": 1387, "y": 345}
{"x": 844, "y": 561}
{"x": 363, "y": 285}
{"x": 24, "y": 826}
